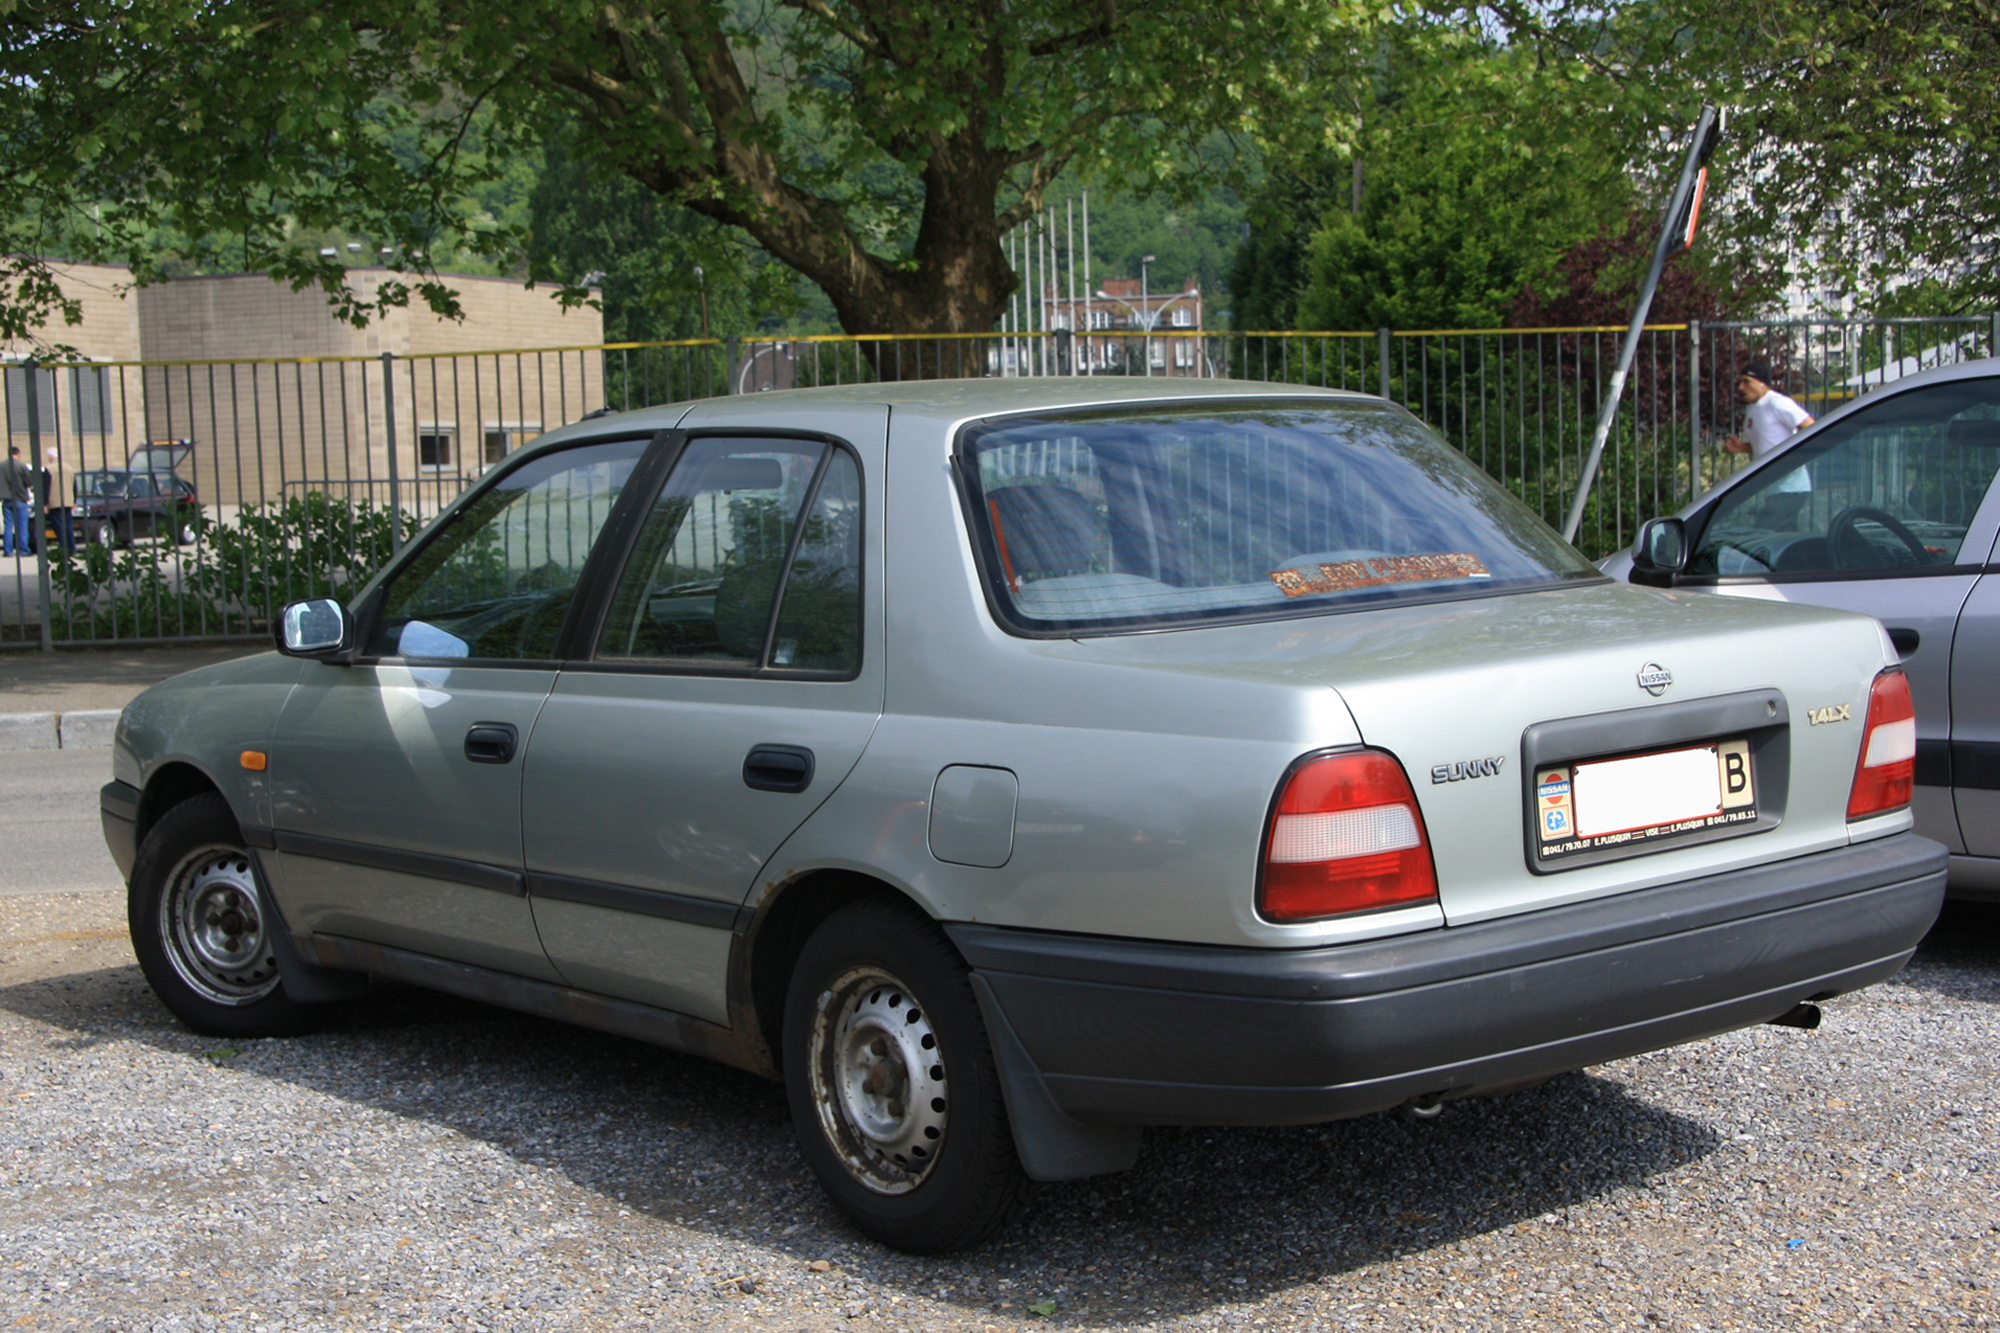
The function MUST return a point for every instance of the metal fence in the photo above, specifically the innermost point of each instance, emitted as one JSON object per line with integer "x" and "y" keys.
{"x": 191, "y": 500}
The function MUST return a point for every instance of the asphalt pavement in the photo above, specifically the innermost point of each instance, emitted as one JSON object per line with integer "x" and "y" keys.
{"x": 48, "y": 808}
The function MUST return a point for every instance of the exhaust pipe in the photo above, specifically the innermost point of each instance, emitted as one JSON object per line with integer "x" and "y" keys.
{"x": 1804, "y": 1016}
{"x": 1425, "y": 1106}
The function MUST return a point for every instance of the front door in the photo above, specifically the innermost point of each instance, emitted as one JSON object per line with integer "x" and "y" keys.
{"x": 730, "y": 692}
{"x": 1886, "y": 512}
{"x": 1975, "y": 723}
{"x": 397, "y": 781}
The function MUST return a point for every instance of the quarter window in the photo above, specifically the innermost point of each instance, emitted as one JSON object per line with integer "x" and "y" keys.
{"x": 497, "y": 580}
{"x": 1892, "y": 487}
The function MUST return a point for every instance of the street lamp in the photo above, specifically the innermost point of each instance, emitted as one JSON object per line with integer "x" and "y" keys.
{"x": 1148, "y": 318}
{"x": 701, "y": 281}
{"x": 1145, "y": 262}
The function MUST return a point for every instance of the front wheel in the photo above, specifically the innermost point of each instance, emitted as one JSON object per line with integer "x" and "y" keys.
{"x": 201, "y": 930}
{"x": 894, "y": 1095}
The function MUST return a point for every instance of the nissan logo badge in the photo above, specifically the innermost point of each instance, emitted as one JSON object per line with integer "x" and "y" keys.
{"x": 1654, "y": 679}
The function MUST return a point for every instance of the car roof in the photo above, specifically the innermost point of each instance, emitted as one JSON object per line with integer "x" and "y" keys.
{"x": 950, "y": 400}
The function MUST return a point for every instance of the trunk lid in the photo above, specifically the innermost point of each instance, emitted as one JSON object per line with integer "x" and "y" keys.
{"x": 1472, "y": 688}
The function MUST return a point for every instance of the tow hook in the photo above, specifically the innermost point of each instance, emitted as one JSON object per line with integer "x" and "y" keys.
{"x": 1798, "y": 1016}
{"x": 1425, "y": 1106}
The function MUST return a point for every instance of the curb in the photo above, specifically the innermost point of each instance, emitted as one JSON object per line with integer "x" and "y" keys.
{"x": 89, "y": 729}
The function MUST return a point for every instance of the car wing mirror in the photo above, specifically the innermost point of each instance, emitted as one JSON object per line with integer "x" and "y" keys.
{"x": 1660, "y": 553}
{"x": 320, "y": 628}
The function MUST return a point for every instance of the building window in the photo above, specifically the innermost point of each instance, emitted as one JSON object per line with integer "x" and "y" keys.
{"x": 1183, "y": 317}
{"x": 1184, "y": 352}
{"x": 1159, "y": 351}
{"x": 499, "y": 439}
{"x": 434, "y": 449}
{"x": 90, "y": 400}
{"x": 17, "y": 400}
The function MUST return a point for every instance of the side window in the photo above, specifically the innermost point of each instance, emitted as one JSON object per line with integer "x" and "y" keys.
{"x": 497, "y": 582}
{"x": 1895, "y": 486}
{"x": 705, "y": 575}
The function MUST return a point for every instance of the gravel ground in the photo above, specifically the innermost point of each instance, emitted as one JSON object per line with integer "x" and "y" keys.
{"x": 433, "y": 1164}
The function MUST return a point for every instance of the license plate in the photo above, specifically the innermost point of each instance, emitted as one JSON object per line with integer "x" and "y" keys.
{"x": 1644, "y": 798}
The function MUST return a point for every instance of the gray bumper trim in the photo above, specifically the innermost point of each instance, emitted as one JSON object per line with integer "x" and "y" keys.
{"x": 118, "y": 811}
{"x": 1128, "y": 1031}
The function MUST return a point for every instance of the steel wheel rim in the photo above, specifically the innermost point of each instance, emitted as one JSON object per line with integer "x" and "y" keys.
{"x": 878, "y": 1080}
{"x": 212, "y": 924}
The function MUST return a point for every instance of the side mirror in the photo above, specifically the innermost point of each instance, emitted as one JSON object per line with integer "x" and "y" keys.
{"x": 1660, "y": 553}
{"x": 314, "y": 629}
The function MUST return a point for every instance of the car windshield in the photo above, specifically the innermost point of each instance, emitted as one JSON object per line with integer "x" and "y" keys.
{"x": 1202, "y": 512}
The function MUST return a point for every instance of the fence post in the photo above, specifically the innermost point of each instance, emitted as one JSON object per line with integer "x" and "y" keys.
{"x": 389, "y": 434}
{"x": 730, "y": 353}
{"x": 38, "y": 519}
{"x": 1694, "y": 410}
{"x": 1382, "y": 357}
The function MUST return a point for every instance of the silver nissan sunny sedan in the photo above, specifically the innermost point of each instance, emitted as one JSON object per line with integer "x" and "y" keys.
{"x": 1009, "y": 765}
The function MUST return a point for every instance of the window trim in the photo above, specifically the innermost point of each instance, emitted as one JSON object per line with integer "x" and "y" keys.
{"x": 585, "y": 656}
{"x": 367, "y": 608}
{"x": 986, "y": 558}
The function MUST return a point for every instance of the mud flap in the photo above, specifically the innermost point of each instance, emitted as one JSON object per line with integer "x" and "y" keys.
{"x": 1051, "y": 1144}
{"x": 306, "y": 983}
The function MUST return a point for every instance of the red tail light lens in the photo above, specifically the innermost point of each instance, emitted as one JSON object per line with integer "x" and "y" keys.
{"x": 1346, "y": 837}
{"x": 1888, "y": 767}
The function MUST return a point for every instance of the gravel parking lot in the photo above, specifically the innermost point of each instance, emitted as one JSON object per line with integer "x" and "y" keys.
{"x": 432, "y": 1164}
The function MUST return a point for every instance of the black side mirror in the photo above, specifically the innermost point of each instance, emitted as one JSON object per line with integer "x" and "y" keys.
{"x": 319, "y": 629}
{"x": 1660, "y": 553}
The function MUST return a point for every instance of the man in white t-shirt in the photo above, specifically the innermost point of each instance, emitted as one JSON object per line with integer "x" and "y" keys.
{"x": 1769, "y": 419}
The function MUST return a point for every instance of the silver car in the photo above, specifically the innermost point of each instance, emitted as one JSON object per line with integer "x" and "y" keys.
{"x": 1889, "y": 507}
{"x": 1009, "y": 765}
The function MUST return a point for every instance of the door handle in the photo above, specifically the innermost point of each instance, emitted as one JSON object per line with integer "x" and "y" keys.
{"x": 778, "y": 768}
{"x": 491, "y": 742}
{"x": 1906, "y": 640}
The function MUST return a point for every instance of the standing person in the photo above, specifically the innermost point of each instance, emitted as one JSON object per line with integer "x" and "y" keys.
{"x": 1769, "y": 419}
{"x": 17, "y": 484}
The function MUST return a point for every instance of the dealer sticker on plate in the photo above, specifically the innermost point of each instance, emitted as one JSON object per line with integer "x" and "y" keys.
{"x": 1643, "y": 798}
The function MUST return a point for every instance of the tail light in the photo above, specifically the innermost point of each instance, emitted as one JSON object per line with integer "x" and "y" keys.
{"x": 1888, "y": 767}
{"x": 1346, "y": 836}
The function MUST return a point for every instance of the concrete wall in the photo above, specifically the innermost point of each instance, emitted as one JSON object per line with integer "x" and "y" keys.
{"x": 304, "y": 407}
{"x": 90, "y": 432}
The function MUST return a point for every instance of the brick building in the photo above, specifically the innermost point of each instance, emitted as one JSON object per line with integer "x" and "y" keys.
{"x": 280, "y": 396}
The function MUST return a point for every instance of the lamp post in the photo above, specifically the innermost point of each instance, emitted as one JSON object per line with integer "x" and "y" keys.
{"x": 1146, "y": 301}
{"x": 701, "y": 281}
{"x": 1148, "y": 318}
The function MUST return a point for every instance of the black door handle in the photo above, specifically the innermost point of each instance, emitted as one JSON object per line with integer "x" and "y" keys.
{"x": 1906, "y": 640}
{"x": 778, "y": 768}
{"x": 491, "y": 742}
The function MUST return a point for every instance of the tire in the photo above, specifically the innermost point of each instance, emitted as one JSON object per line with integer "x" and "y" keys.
{"x": 199, "y": 927}
{"x": 103, "y": 533}
{"x": 879, "y": 1002}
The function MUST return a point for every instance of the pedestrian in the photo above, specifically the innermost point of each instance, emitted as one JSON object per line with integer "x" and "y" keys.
{"x": 17, "y": 486}
{"x": 1769, "y": 419}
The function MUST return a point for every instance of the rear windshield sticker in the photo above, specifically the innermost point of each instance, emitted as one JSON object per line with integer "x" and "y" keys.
{"x": 1378, "y": 570}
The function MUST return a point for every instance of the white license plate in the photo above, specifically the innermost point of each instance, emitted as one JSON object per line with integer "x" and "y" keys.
{"x": 1612, "y": 803}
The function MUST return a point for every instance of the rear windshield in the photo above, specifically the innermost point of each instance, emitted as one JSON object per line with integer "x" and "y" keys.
{"x": 1195, "y": 513}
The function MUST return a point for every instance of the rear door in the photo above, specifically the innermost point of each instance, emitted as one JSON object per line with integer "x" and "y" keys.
{"x": 1975, "y": 729}
{"x": 1895, "y": 521}
{"x": 736, "y": 679}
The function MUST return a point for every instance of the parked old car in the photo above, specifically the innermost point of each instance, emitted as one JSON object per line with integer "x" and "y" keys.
{"x": 1007, "y": 765}
{"x": 146, "y": 498}
{"x": 1887, "y": 506}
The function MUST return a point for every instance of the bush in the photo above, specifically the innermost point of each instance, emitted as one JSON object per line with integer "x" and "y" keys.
{"x": 232, "y": 581}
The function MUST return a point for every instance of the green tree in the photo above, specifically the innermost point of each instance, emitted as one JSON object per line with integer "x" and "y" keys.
{"x": 882, "y": 150}
{"x": 646, "y": 253}
{"x": 1480, "y": 165}
{"x": 1862, "y": 145}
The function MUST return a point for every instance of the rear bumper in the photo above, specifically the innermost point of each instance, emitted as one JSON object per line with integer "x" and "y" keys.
{"x": 1138, "y": 1032}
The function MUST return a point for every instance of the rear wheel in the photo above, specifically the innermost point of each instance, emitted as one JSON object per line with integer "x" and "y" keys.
{"x": 201, "y": 930}
{"x": 893, "y": 1091}
{"x": 103, "y": 532}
